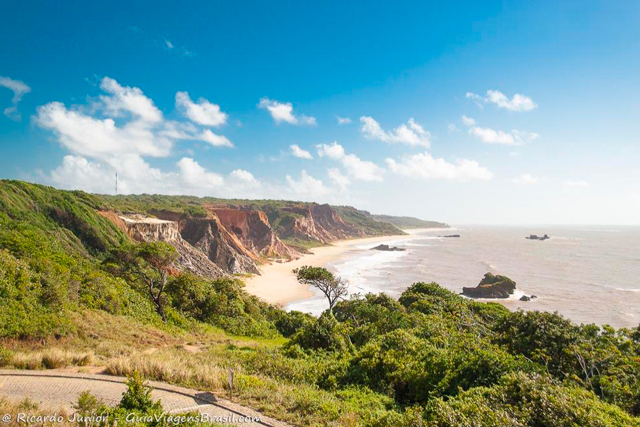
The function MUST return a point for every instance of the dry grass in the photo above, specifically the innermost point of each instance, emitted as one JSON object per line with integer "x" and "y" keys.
{"x": 30, "y": 408}
{"x": 50, "y": 359}
{"x": 297, "y": 404}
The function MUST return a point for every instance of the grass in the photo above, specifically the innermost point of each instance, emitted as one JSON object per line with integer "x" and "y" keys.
{"x": 53, "y": 358}
{"x": 27, "y": 406}
{"x": 299, "y": 404}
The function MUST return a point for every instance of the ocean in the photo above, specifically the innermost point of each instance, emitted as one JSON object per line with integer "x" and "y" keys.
{"x": 588, "y": 274}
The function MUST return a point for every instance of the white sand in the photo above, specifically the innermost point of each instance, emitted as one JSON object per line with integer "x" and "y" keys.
{"x": 278, "y": 285}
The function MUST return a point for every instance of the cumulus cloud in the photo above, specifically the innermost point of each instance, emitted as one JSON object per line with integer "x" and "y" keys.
{"x": 141, "y": 128}
{"x": 424, "y": 166}
{"x": 245, "y": 177}
{"x": 412, "y": 133}
{"x": 526, "y": 179}
{"x": 203, "y": 112}
{"x": 136, "y": 176}
{"x": 19, "y": 89}
{"x": 283, "y": 112}
{"x": 355, "y": 167}
{"x": 214, "y": 139}
{"x": 307, "y": 187}
{"x": 340, "y": 180}
{"x": 116, "y": 133}
{"x": 516, "y": 103}
{"x": 300, "y": 153}
{"x": 491, "y": 136}
{"x": 343, "y": 120}
{"x": 121, "y": 100}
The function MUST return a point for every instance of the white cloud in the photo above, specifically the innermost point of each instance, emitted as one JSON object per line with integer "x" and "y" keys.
{"x": 131, "y": 100}
{"x": 523, "y": 136}
{"x": 307, "y": 186}
{"x": 526, "y": 179}
{"x": 213, "y": 139}
{"x": 338, "y": 178}
{"x": 412, "y": 133}
{"x": 203, "y": 112}
{"x": 195, "y": 176}
{"x": 491, "y": 136}
{"x": 343, "y": 120}
{"x": 95, "y": 137}
{"x": 283, "y": 112}
{"x": 334, "y": 151}
{"x": 468, "y": 121}
{"x": 516, "y": 103}
{"x": 355, "y": 167}
{"x": 136, "y": 176}
{"x": 168, "y": 44}
{"x": 19, "y": 89}
{"x": 300, "y": 153}
{"x": 424, "y": 166}
{"x": 141, "y": 128}
{"x": 245, "y": 177}
{"x": 452, "y": 128}
{"x": 115, "y": 133}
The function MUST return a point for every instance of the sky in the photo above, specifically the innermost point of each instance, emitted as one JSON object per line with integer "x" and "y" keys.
{"x": 490, "y": 112}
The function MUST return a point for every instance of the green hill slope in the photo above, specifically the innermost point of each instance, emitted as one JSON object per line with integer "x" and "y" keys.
{"x": 431, "y": 357}
{"x": 408, "y": 222}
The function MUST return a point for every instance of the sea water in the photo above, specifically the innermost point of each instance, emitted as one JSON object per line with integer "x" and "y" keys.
{"x": 588, "y": 274}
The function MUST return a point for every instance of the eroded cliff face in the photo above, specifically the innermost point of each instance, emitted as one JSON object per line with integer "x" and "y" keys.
{"x": 318, "y": 222}
{"x": 221, "y": 246}
{"x": 234, "y": 239}
{"x": 144, "y": 229}
{"x": 252, "y": 228}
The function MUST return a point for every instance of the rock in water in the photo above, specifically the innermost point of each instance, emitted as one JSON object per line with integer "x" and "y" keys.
{"x": 387, "y": 248}
{"x": 525, "y": 298}
{"x": 491, "y": 286}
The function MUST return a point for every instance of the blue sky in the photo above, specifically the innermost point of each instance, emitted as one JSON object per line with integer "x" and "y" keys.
{"x": 466, "y": 112}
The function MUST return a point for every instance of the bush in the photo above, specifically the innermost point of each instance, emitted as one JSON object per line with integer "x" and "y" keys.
{"x": 326, "y": 333}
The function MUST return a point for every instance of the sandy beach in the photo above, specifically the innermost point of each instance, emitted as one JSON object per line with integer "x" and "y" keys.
{"x": 278, "y": 285}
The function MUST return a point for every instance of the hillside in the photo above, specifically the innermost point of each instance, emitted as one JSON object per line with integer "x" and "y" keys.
{"x": 297, "y": 224}
{"x": 408, "y": 222}
{"x": 75, "y": 277}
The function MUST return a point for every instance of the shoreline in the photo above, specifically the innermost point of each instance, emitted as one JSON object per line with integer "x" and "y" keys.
{"x": 278, "y": 285}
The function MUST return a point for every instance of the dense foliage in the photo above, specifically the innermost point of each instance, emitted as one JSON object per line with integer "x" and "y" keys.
{"x": 431, "y": 357}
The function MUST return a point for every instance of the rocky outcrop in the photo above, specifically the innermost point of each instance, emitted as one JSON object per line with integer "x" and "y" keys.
{"x": 144, "y": 229}
{"x": 220, "y": 245}
{"x": 535, "y": 237}
{"x": 491, "y": 287}
{"x": 252, "y": 228}
{"x": 388, "y": 248}
{"x": 315, "y": 222}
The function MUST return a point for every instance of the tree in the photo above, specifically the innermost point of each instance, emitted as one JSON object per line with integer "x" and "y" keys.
{"x": 334, "y": 288}
{"x": 149, "y": 262}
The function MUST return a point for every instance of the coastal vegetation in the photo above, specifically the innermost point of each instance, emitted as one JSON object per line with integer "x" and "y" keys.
{"x": 75, "y": 292}
{"x": 407, "y": 222}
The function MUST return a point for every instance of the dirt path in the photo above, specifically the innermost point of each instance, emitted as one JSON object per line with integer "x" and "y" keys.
{"x": 58, "y": 389}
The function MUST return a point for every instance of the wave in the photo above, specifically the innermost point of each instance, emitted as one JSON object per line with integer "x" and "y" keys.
{"x": 515, "y": 296}
{"x": 628, "y": 289}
